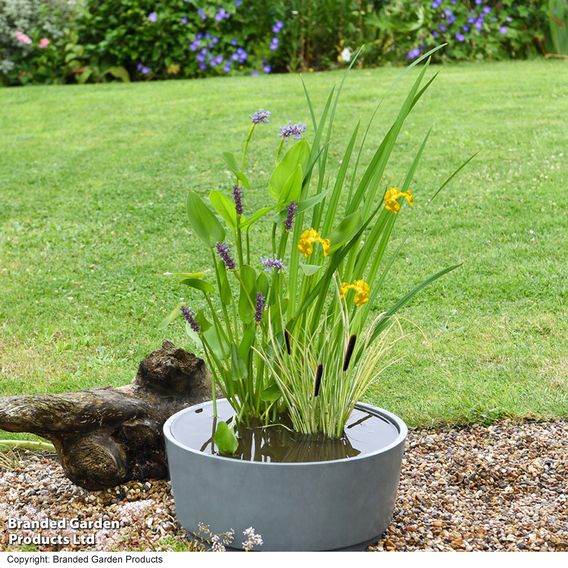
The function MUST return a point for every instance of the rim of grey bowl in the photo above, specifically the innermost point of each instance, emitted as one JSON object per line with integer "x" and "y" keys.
{"x": 393, "y": 418}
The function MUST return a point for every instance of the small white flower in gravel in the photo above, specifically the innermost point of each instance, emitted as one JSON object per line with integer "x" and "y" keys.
{"x": 252, "y": 539}
{"x": 217, "y": 545}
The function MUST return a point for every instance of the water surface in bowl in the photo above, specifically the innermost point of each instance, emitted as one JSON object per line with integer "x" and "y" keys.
{"x": 365, "y": 432}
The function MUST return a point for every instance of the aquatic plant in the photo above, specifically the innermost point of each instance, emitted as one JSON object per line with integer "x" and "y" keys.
{"x": 288, "y": 326}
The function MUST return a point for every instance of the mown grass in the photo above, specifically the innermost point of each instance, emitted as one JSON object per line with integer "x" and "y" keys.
{"x": 93, "y": 181}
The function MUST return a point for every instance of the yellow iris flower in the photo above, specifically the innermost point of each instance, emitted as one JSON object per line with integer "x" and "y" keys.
{"x": 392, "y": 196}
{"x": 308, "y": 239}
{"x": 361, "y": 288}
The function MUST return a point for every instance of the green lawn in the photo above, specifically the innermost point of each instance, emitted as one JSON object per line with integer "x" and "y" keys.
{"x": 93, "y": 181}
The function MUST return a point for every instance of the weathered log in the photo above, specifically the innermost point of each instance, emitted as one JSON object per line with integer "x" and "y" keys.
{"x": 107, "y": 436}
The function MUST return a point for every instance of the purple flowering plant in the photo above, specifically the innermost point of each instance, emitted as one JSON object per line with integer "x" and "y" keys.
{"x": 271, "y": 314}
{"x": 480, "y": 28}
{"x": 194, "y": 39}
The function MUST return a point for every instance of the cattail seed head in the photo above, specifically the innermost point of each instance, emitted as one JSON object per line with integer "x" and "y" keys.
{"x": 317, "y": 382}
{"x": 349, "y": 352}
{"x": 287, "y": 338}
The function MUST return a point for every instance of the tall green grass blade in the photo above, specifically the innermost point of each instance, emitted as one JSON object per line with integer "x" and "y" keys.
{"x": 339, "y": 182}
{"x": 379, "y": 161}
{"x": 397, "y": 79}
{"x": 405, "y": 299}
{"x": 412, "y": 170}
{"x": 454, "y": 174}
{"x": 310, "y": 105}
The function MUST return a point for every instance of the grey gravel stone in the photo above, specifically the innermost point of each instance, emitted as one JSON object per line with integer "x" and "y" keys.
{"x": 499, "y": 487}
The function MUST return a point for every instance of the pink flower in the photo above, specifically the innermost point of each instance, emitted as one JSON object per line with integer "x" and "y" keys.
{"x": 23, "y": 38}
{"x": 43, "y": 43}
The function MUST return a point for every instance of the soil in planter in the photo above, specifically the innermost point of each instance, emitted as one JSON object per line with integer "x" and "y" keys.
{"x": 365, "y": 432}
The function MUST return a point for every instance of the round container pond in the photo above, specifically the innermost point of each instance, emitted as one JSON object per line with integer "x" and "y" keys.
{"x": 299, "y": 492}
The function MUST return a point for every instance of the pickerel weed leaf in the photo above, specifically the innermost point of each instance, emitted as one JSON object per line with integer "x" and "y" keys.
{"x": 216, "y": 342}
{"x": 293, "y": 186}
{"x": 271, "y": 393}
{"x": 247, "y": 341}
{"x": 248, "y": 294}
{"x": 309, "y": 269}
{"x": 202, "y": 320}
{"x": 248, "y": 223}
{"x": 231, "y": 162}
{"x": 224, "y": 287}
{"x": 202, "y": 220}
{"x": 184, "y": 275}
{"x": 171, "y": 316}
{"x": 225, "y": 439}
{"x": 205, "y": 287}
{"x": 297, "y": 155}
{"x": 238, "y": 365}
{"x": 262, "y": 283}
{"x": 303, "y": 206}
{"x": 225, "y": 207}
{"x": 345, "y": 230}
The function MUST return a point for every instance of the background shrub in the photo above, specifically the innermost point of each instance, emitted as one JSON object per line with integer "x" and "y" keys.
{"x": 176, "y": 38}
{"x": 29, "y": 33}
{"x": 100, "y": 40}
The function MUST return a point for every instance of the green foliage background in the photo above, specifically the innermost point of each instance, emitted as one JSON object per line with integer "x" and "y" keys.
{"x": 107, "y": 40}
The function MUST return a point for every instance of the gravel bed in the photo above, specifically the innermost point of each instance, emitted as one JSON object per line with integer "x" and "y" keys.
{"x": 499, "y": 487}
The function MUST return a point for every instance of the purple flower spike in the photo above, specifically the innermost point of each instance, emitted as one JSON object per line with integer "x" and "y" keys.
{"x": 292, "y": 130}
{"x": 260, "y": 116}
{"x": 292, "y": 209}
{"x": 225, "y": 254}
{"x": 189, "y": 316}
{"x": 238, "y": 199}
{"x": 259, "y": 307}
{"x": 274, "y": 263}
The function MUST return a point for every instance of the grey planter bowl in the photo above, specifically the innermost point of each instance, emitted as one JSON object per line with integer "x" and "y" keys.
{"x": 325, "y": 505}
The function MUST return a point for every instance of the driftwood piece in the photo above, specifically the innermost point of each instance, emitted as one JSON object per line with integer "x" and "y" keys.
{"x": 107, "y": 436}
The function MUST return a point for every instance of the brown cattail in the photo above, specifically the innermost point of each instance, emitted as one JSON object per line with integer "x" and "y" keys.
{"x": 287, "y": 338}
{"x": 349, "y": 352}
{"x": 317, "y": 383}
